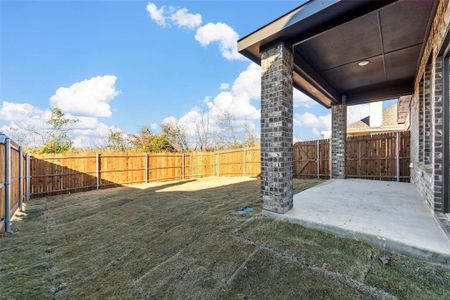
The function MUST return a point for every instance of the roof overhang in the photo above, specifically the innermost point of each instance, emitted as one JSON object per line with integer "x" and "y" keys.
{"x": 330, "y": 37}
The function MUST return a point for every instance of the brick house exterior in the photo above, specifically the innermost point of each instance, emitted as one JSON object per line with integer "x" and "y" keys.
{"x": 426, "y": 116}
{"x": 341, "y": 53}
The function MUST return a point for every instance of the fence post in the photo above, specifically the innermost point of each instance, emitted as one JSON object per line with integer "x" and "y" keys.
{"x": 397, "y": 155}
{"x": 190, "y": 165}
{"x": 244, "y": 170}
{"x": 146, "y": 167}
{"x": 97, "y": 169}
{"x": 20, "y": 177}
{"x": 218, "y": 163}
{"x": 318, "y": 159}
{"x": 182, "y": 165}
{"x": 28, "y": 189}
{"x": 213, "y": 169}
{"x": 7, "y": 185}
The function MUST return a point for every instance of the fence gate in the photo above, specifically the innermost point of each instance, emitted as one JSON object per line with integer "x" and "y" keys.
{"x": 311, "y": 159}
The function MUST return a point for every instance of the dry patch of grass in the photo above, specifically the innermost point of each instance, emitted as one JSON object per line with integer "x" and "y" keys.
{"x": 185, "y": 239}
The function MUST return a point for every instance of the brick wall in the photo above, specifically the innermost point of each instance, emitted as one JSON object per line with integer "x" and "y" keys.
{"x": 426, "y": 118}
{"x": 338, "y": 138}
{"x": 276, "y": 129}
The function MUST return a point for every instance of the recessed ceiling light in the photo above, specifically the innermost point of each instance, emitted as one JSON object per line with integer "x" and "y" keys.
{"x": 363, "y": 63}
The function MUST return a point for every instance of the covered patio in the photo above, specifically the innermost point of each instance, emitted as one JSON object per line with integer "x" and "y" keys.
{"x": 388, "y": 215}
{"x": 343, "y": 53}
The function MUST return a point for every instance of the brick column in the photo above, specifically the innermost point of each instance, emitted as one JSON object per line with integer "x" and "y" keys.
{"x": 338, "y": 138}
{"x": 276, "y": 128}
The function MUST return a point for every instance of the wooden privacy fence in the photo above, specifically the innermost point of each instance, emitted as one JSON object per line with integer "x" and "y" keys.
{"x": 383, "y": 156}
{"x": 13, "y": 181}
{"x": 60, "y": 174}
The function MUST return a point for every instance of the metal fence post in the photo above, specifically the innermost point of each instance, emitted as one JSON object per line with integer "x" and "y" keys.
{"x": 318, "y": 159}
{"x": 20, "y": 177}
{"x": 190, "y": 165}
{"x": 146, "y": 167}
{"x": 182, "y": 165}
{"x": 7, "y": 185}
{"x": 213, "y": 165}
{"x": 218, "y": 163}
{"x": 97, "y": 169}
{"x": 244, "y": 170}
{"x": 28, "y": 189}
{"x": 397, "y": 157}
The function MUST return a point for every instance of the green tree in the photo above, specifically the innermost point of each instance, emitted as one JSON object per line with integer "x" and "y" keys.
{"x": 116, "y": 141}
{"x": 57, "y": 138}
{"x": 147, "y": 141}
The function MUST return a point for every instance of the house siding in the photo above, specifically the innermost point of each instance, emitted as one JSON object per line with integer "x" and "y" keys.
{"x": 426, "y": 160}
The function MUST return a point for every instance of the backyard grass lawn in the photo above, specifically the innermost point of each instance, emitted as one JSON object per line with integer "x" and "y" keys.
{"x": 186, "y": 240}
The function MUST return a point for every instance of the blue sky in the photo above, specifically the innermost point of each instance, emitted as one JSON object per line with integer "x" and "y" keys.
{"x": 114, "y": 64}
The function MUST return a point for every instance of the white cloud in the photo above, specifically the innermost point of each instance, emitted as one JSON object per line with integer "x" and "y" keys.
{"x": 89, "y": 132}
{"x": 223, "y": 35}
{"x": 238, "y": 100}
{"x": 316, "y": 123}
{"x": 85, "y": 100}
{"x": 168, "y": 16}
{"x": 156, "y": 14}
{"x": 10, "y": 111}
{"x": 24, "y": 126}
{"x": 224, "y": 86}
{"x": 357, "y": 112}
{"x": 153, "y": 126}
{"x": 183, "y": 18}
{"x": 89, "y": 97}
{"x": 301, "y": 99}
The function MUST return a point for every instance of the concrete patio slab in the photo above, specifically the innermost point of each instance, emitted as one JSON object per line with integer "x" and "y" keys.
{"x": 389, "y": 215}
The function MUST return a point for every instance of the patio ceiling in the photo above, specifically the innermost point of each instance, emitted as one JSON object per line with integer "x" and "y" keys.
{"x": 331, "y": 38}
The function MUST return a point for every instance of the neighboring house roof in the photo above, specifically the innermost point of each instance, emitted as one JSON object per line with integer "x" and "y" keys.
{"x": 390, "y": 122}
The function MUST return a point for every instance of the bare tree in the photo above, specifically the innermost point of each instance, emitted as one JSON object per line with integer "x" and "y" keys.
{"x": 228, "y": 131}
{"x": 250, "y": 138}
{"x": 176, "y": 135}
{"x": 202, "y": 131}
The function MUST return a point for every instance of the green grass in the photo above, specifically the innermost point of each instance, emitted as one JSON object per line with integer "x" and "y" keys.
{"x": 185, "y": 240}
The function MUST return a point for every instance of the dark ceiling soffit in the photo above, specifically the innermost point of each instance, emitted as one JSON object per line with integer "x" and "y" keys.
{"x": 315, "y": 12}
{"x": 307, "y": 3}
{"x": 380, "y": 92}
{"x": 345, "y": 18}
{"x": 302, "y": 68}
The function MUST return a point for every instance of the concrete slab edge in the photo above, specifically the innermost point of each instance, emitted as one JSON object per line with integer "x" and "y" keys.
{"x": 373, "y": 240}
